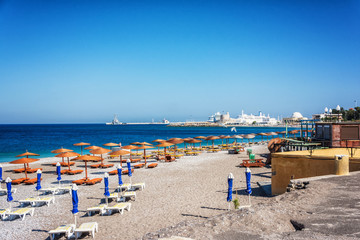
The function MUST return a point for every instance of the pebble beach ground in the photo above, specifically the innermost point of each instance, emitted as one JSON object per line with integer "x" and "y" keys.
{"x": 185, "y": 198}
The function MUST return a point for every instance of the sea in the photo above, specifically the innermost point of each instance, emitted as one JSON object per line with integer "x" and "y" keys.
{"x": 43, "y": 138}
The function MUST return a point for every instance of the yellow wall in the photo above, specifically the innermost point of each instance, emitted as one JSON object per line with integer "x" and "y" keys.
{"x": 300, "y": 164}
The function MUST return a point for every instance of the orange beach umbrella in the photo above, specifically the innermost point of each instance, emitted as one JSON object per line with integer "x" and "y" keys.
{"x": 86, "y": 159}
{"x": 145, "y": 147}
{"x": 164, "y": 145}
{"x": 100, "y": 151}
{"x": 68, "y": 155}
{"x": 81, "y": 144}
{"x": 27, "y": 154}
{"x": 120, "y": 153}
{"x": 212, "y": 138}
{"x": 91, "y": 147}
{"x": 61, "y": 150}
{"x": 130, "y": 147}
{"x": 111, "y": 145}
{"x": 24, "y": 161}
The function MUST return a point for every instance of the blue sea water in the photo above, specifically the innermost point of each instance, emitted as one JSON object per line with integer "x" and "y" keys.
{"x": 42, "y": 138}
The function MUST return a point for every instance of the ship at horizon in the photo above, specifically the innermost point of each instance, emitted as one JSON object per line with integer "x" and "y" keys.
{"x": 115, "y": 121}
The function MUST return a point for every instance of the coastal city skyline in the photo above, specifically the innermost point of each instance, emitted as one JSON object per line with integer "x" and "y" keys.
{"x": 73, "y": 62}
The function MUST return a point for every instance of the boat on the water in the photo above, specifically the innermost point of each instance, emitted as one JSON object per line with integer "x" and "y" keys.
{"x": 115, "y": 121}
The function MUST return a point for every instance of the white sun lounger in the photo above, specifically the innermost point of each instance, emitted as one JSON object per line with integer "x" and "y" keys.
{"x": 52, "y": 190}
{"x": 4, "y": 191}
{"x": 122, "y": 197}
{"x": 100, "y": 208}
{"x": 38, "y": 201}
{"x": 68, "y": 230}
{"x": 119, "y": 207}
{"x": 129, "y": 195}
{"x": 125, "y": 186}
{"x": 21, "y": 212}
{"x": 90, "y": 227}
{"x": 56, "y": 190}
{"x": 139, "y": 186}
{"x": 65, "y": 189}
{"x": 3, "y": 213}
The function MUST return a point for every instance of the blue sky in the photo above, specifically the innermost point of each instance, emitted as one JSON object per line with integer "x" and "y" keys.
{"x": 83, "y": 61}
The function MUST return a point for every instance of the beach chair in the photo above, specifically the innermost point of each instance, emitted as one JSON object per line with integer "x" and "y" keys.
{"x": 79, "y": 182}
{"x": 95, "y": 165}
{"x": 107, "y": 165}
{"x": 99, "y": 208}
{"x": 125, "y": 172}
{"x": 125, "y": 186}
{"x": 115, "y": 196}
{"x": 140, "y": 165}
{"x": 130, "y": 194}
{"x": 20, "y": 212}
{"x": 4, "y": 191}
{"x": 64, "y": 164}
{"x": 152, "y": 165}
{"x": 31, "y": 181}
{"x": 32, "y": 170}
{"x": 73, "y": 172}
{"x": 37, "y": 201}
{"x": 64, "y": 189}
{"x": 52, "y": 190}
{"x": 93, "y": 181}
{"x": 68, "y": 230}
{"x": 119, "y": 207}
{"x": 18, "y": 181}
{"x": 139, "y": 186}
{"x": 3, "y": 213}
{"x": 90, "y": 228}
{"x": 113, "y": 172}
{"x": 168, "y": 158}
{"x": 134, "y": 160}
{"x": 19, "y": 170}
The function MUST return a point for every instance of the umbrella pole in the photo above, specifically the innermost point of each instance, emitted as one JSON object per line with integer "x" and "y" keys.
{"x": 69, "y": 164}
{"x": 81, "y": 150}
{"x": 25, "y": 171}
{"x": 102, "y": 164}
{"x": 86, "y": 177}
{"x": 145, "y": 156}
{"x": 120, "y": 160}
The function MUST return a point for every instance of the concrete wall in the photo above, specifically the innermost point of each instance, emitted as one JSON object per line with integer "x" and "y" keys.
{"x": 301, "y": 165}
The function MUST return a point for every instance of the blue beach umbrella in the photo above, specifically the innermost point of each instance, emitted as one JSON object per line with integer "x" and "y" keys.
{"x": 75, "y": 200}
{"x": 248, "y": 178}
{"x": 8, "y": 188}
{"x": 1, "y": 172}
{"x": 230, "y": 186}
{"x": 106, "y": 182}
{"x": 119, "y": 170}
{"x": 128, "y": 163}
{"x": 58, "y": 172}
{"x": 38, "y": 183}
{"x": 248, "y": 185}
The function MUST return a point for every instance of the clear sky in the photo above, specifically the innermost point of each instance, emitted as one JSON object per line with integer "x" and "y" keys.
{"x": 83, "y": 61}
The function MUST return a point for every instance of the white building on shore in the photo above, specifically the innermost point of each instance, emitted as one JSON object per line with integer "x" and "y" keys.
{"x": 243, "y": 119}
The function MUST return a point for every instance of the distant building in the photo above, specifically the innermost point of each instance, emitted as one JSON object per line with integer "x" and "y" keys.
{"x": 295, "y": 118}
{"x": 328, "y": 115}
{"x": 243, "y": 119}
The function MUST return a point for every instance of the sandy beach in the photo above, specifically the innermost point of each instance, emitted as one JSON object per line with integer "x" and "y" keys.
{"x": 193, "y": 187}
